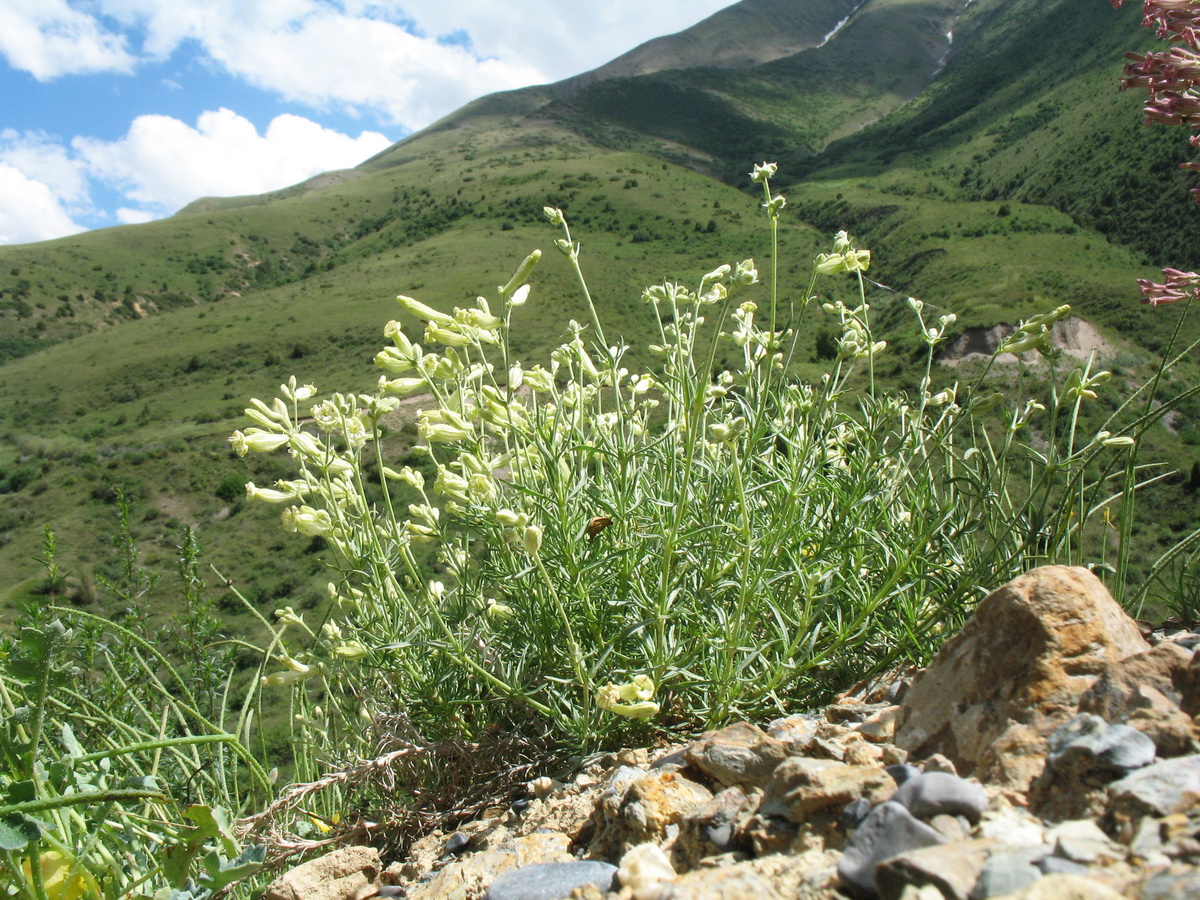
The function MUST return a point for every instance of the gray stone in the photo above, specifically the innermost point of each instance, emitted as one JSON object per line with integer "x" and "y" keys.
{"x": 1082, "y": 841}
{"x": 1168, "y": 786}
{"x": 1006, "y": 873}
{"x": 902, "y": 773}
{"x": 551, "y": 881}
{"x": 1088, "y": 742}
{"x": 936, "y": 793}
{"x": 854, "y": 813}
{"x": 1056, "y": 865}
{"x": 457, "y": 842}
{"x": 1172, "y": 886}
{"x": 717, "y": 825}
{"x": 888, "y": 831}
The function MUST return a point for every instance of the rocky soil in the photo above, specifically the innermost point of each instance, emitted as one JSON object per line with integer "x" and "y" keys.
{"x": 1049, "y": 751}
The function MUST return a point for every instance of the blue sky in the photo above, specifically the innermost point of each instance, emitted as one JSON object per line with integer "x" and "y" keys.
{"x": 123, "y": 111}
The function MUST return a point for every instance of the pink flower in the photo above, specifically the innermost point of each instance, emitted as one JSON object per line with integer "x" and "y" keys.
{"x": 1177, "y": 286}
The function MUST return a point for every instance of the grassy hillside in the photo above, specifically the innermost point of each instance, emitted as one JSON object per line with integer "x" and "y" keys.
{"x": 996, "y": 175}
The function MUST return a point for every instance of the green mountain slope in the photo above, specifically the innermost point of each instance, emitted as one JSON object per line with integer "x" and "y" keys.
{"x": 979, "y": 148}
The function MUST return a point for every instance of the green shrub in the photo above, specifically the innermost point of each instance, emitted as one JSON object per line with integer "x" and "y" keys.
{"x": 624, "y": 550}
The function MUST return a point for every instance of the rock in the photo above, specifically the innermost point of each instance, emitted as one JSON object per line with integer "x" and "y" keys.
{"x": 802, "y": 786}
{"x": 888, "y": 831}
{"x": 646, "y": 872}
{"x": 938, "y": 763}
{"x": 879, "y": 726}
{"x": 902, "y": 773}
{"x": 735, "y": 882}
{"x": 854, "y": 813}
{"x": 1016, "y": 671}
{"x": 471, "y": 874}
{"x": 1082, "y": 841}
{"x": 1189, "y": 702}
{"x": 1168, "y": 786}
{"x": 1145, "y": 691}
{"x": 457, "y": 843}
{"x": 1165, "y": 668}
{"x": 716, "y": 826}
{"x": 1008, "y": 872}
{"x": 344, "y": 874}
{"x": 851, "y": 710}
{"x": 795, "y": 730}
{"x": 936, "y": 793}
{"x": 1171, "y": 729}
{"x": 1183, "y": 885}
{"x": 551, "y": 881}
{"x": 1085, "y": 754}
{"x": 952, "y": 868}
{"x": 1056, "y": 865}
{"x": 739, "y": 754}
{"x": 1088, "y": 742}
{"x": 1065, "y": 887}
{"x": 952, "y": 828}
{"x": 639, "y": 809}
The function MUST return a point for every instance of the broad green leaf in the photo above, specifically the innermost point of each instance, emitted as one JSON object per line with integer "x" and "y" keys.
{"x": 17, "y": 832}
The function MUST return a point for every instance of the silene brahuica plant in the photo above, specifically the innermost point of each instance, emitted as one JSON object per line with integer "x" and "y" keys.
{"x": 621, "y": 547}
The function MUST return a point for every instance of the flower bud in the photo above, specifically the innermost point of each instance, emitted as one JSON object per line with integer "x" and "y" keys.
{"x": 531, "y": 540}
{"x": 423, "y": 312}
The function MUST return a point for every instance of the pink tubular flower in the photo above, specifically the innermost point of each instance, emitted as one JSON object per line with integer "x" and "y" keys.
{"x": 1177, "y": 286}
{"x": 1171, "y": 78}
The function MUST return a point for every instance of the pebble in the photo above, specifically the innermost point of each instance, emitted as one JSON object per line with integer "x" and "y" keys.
{"x": 551, "y": 881}
{"x": 1088, "y": 742}
{"x": 457, "y": 843}
{"x": 644, "y": 870}
{"x": 1006, "y": 873}
{"x": 888, "y": 831}
{"x": 936, "y": 793}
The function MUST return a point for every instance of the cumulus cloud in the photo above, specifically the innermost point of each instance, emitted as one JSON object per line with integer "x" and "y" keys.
{"x": 407, "y": 61}
{"x": 29, "y": 210}
{"x": 159, "y": 166}
{"x": 557, "y": 38}
{"x": 48, "y": 38}
{"x": 163, "y": 164}
{"x": 43, "y": 158}
{"x": 337, "y": 61}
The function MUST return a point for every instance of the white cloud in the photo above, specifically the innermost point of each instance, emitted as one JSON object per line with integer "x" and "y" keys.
{"x": 29, "y": 210}
{"x": 127, "y": 216}
{"x": 558, "y": 38}
{"x": 42, "y": 158}
{"x": 162, "y": 164}
{"x": 388, "y": 57}
{"x": 330, "y": 60}
{"x": 47, "y": 38}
